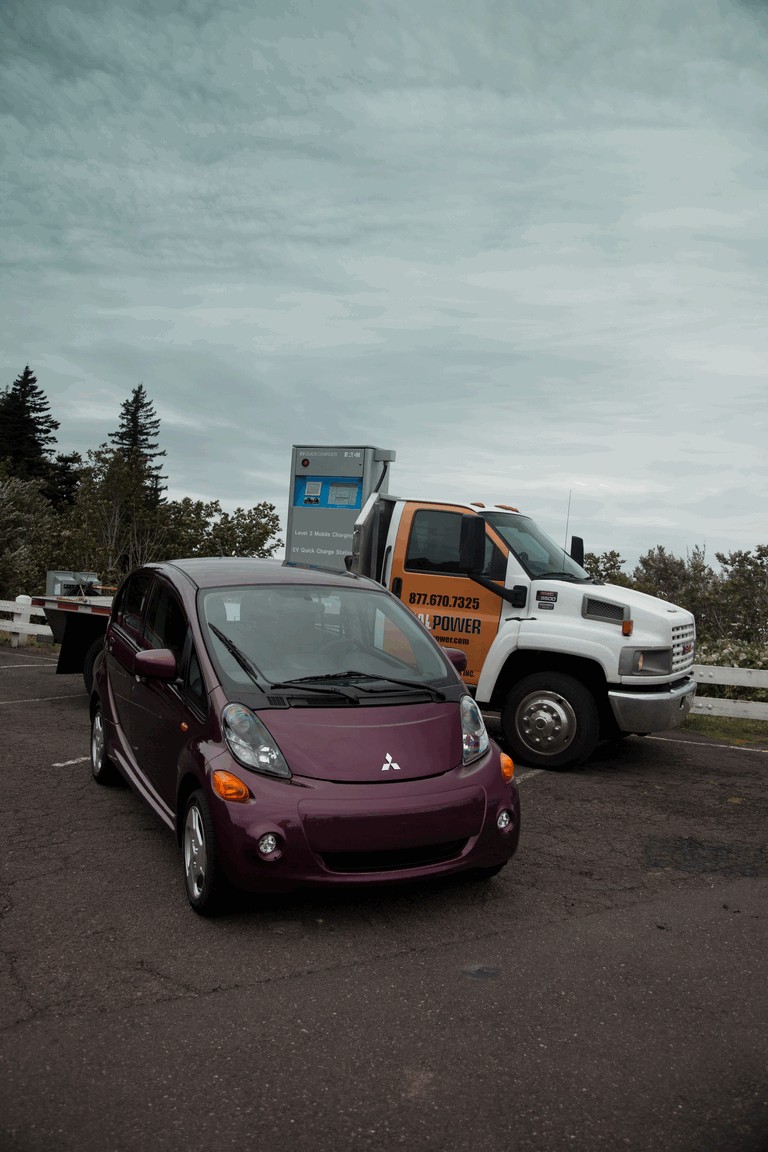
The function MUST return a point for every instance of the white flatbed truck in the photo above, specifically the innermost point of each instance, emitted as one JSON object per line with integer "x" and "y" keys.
{"x": 78, "y": 624}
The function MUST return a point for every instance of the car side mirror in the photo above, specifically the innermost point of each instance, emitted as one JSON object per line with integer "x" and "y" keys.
{"x": 472, "y": 544}
{"x": 155, "y": 664}
{"x": 457, "y": 658}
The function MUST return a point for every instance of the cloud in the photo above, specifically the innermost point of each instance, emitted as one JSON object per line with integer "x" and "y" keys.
{"x": 522, "y": 245}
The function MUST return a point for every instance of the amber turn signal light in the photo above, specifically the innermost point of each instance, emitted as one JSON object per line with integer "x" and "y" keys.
{"x": 507, "y": 765}
{"x": 230, "y": 787}
{"x": 626, "y": 627}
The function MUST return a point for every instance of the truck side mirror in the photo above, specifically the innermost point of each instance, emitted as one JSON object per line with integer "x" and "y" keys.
{"x": 472, "y": 544}
{"x": 577, "y": 550}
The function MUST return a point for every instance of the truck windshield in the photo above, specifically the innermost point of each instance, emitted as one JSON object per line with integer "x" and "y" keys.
{"x": 539, "y": 556}
{"x": 297, "y": 633}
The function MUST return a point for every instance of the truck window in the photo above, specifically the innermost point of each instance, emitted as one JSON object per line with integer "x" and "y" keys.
{"x": 433, "y": 546}
{"x": 538, "y": 554}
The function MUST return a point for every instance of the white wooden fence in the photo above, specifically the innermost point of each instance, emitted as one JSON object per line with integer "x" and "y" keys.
{"x": 729, "y": 677}
{"x": 20, "y": 625}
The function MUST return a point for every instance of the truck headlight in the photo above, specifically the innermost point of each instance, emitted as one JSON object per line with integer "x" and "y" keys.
{"x": 645, "y": 662}
{"x": 474, "y": 737}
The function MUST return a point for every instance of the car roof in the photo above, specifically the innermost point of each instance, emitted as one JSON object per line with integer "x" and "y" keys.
{"x": 221, "y": 571}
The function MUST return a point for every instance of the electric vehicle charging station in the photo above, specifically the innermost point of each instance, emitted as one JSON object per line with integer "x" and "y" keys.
{"x": 328, "y": 488}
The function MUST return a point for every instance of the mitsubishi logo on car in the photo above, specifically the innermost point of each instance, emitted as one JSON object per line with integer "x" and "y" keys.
{"x": 389, "y": 763}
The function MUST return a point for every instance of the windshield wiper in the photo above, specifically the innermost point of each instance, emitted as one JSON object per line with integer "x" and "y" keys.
{"x": 311, "y": 681}
{"x": 250, "y": 669}
{"x": 412, "y": 684}
{"x": 568, "y": 577}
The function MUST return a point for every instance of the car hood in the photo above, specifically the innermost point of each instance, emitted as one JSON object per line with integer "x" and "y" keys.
{"x": 368, "y": 745}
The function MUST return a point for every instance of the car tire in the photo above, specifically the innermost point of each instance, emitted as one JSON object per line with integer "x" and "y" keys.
{"x": 550, "y": 720}
{"x": 203, "y": 881}
{"x": 89, "y": 662}
{"x": 103, "y": 769}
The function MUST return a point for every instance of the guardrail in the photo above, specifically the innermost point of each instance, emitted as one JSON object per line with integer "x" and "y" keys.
{"x": 20, "y": 625}
{"x": 729, "y": 678}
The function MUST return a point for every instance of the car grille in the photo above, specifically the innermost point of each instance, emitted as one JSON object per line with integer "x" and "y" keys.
{"x": 392, "y": 860}
{"x": 683, "y": 647}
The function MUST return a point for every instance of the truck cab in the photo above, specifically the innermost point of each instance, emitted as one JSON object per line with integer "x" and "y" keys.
{"x": 565, "y": 660}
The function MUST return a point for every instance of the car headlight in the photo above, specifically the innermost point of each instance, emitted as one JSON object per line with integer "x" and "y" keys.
{"x": 474, "y": 737}
{"x": 250, "y": 742}
{"x": 645, "y": 662}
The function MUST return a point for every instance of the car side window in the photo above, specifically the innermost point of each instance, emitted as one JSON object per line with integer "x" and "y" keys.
{"x": 433, "y": 546}
{"x": 128, "y": 611}
{"x": 194, "y": 688}
{"x": 166, "y": 624}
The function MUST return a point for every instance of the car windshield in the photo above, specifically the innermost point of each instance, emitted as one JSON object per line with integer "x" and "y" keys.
{"x": 298, "y": 632}
{"x": 538, "y": 555}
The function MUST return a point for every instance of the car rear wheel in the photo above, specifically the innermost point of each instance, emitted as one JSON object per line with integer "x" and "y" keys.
{"x": 102, "y": 768}
{"x": 88, "y": 663}
{"x": 202, "y": 878}
{"x": 550, "y": 720}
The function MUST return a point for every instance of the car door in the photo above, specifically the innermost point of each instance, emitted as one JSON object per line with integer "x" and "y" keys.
{"x": 459, "y": 612}
{"x": 156, "y": 705}
{"x": 123, "y": 640}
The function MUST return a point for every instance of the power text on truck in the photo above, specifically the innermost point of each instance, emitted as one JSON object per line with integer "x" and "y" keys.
{"x": 566, "y": 661}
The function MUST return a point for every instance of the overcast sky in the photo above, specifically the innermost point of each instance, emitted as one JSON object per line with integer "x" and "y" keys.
{"x": 523, "y": 244}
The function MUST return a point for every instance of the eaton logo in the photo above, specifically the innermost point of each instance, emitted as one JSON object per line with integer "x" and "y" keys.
{"x": 352, "y": 455}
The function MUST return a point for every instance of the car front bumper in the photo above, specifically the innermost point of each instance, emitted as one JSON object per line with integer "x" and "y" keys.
{"x": 342, "y": 834}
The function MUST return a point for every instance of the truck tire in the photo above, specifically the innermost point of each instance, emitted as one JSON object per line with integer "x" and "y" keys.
{"x": 550, "y": 720}
{"x": 89, "y": 661}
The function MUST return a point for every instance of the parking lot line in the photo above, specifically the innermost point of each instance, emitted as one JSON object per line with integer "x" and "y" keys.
{"x": 40, "y": 699}
{"x": 39, "y": 664}
{"x": 709, "y": 744}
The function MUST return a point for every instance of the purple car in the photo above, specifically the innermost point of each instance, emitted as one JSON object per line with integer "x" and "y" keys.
{"x": 296, "y": 727}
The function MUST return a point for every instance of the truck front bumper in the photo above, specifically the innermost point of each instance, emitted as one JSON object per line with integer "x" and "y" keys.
{"x": 652, "y": 711}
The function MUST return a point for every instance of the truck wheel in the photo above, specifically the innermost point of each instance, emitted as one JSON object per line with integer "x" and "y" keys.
{"x": 550, "y": 721}
{"x": 89, "y": 661}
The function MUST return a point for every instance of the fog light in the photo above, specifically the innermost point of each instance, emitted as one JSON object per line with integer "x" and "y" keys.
{"x": 504, "y": 819}
{"x": 267, "y": 844}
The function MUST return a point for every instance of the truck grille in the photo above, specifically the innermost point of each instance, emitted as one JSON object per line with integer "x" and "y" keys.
{"x": 683, "y": 647}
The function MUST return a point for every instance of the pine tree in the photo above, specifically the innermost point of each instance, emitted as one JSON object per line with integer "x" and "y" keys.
{"x": 136, "y": 441}
{"x": 27, "y": 429}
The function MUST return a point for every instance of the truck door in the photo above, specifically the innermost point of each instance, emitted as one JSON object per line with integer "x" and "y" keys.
{"x": 458, "y": 612}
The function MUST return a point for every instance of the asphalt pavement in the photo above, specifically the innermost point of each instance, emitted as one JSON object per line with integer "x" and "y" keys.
{"x": 607, "y": 991}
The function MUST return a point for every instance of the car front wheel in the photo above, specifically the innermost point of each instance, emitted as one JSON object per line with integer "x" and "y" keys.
{"x": 202, "y": 878}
